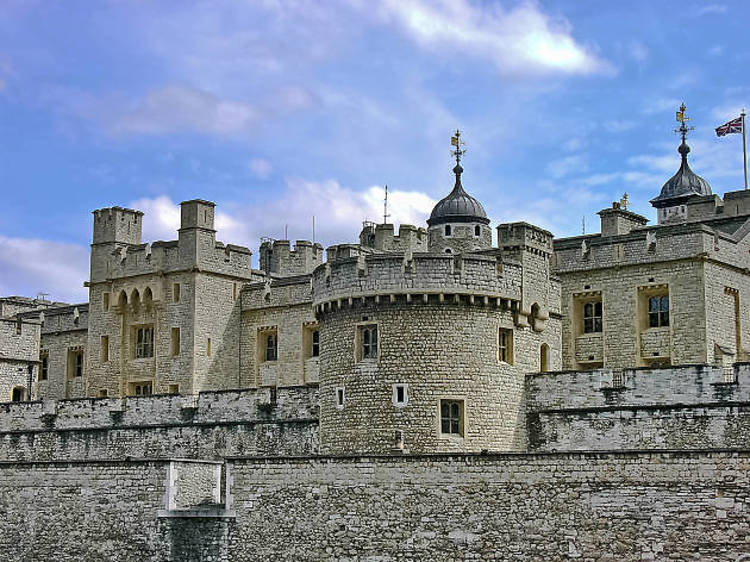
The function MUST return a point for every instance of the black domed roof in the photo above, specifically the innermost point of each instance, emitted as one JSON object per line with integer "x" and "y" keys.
{"x": 458, "y": 206}
{"x": 685, "y": 183}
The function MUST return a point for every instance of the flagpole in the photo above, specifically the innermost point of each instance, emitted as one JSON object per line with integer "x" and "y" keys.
{"x": 744, "y": 145}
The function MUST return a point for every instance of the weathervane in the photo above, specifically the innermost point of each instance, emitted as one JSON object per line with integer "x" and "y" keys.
{"x": 683, "y": 129}
{"x": 458, "y": 152}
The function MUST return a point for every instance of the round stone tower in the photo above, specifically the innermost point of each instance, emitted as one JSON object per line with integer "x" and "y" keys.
{"x": 422, "y": 353}
{"x": 458, "y": 223}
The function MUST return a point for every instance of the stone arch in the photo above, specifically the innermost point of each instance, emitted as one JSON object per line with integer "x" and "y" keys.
{"x": 543, "y": 358}
{"x": 148, "y": 296}
{"x": 122, "y": 299}
{"x": 18, "y": 394}
{"x": 135, "y": 299}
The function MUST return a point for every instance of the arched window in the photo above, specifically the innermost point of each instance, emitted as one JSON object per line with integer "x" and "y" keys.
{"x": 448, "y": 230}
{"x": 477, "y": 230}
{"x": 19, "y": 394}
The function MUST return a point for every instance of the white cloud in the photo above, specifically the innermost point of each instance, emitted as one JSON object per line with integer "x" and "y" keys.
{"x": 521, "y": 40}
{"x": 178, "y": 108}
{"x": 638, "y": 51}
{"x": 712, "y": 9}
{"x": 661, "y": 105}
{"x": 716, "y": 50}
{"x": 260, "y": 167}
{"x": 619, "y": 126}
{"x": 338, "y": 211}
{"x": 565, "y": 166}
{"x": 31, "y": 265}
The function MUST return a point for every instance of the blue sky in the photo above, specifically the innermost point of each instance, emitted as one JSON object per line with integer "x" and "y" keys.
{"x": 281, "y": 110}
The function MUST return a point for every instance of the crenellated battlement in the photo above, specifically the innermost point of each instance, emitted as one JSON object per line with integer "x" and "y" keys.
{"x": 381, "y": 237}
{"x": 524, "y": 236}
{"x": 481, "y": 278}
{"x": 278, "y": 257}
{"x": 117, "y": 224}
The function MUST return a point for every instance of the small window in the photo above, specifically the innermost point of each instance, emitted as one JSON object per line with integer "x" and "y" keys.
{"x": 368, "y": 339}
{"x": 315, "y": 351}
{"x": 75, "y": 363}
{"x": 105, "y": 302}
{"x": 103, "y": 393}
{"x": 174, "y": 388}
{"x": 19, "y": 394}
{"x": 452, "y": 417}
{"x": 272, "y": 346}
{"x": 175, "y": 342}
{"x": 144, "y": 342}
{"x": 400, "y": 396}
{"x": 19, "y": 327}
{"x": 592, "y": 317}
{"x": 505, "y": 345}
{"x": 448, "y": 251}
{"x": 208, "y": 347}
{"x": 477, "y": 231}
{"x": 448, "y": 230}
{"x": 176, "y": 292}
{"x": 658, "y": 311}
{"x": 340, "y": 397}
{"x": 105, "y": 349}
{"x": 79, "y": 364}
{"x": 234, "y": 291}
{"x": 44, "y": 370}
{"x": 141, "y": 388}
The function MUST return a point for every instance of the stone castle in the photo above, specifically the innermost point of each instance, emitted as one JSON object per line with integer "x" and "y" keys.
{"x": 413, "y": 396}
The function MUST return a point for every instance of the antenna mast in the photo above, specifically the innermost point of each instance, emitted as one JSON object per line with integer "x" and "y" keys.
{"x": 385, "y": 206}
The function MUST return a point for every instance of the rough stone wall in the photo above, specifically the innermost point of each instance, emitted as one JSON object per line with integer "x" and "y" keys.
{"x": 283, "y": 305}
{"x": 727, "y": 291}
{"x": 214, "y": 425}
{"x": 18, "y": 351}
{"x": 690, "y": 407}
{"x": 461, "y": 240}
{"x": 627, "y": 506}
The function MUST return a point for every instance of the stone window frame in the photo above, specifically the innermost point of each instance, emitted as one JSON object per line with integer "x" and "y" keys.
{"x": 580, "y": 300}
{"x": 310, "y": 342}
{"x": 404, "y": 399}
{"x": 447, "y": 231}
{"x": 645, "y": 294}
{"x": 175, "y": 341}
{"x": 139, "y": 388}
{"x": 105, "y": 301}
{"x": 340, "y": 397}
{"x": 477, "y": 231}
{"x": 104, "y": 348}
{"x": 43, "y": 364}
{"x": 658, "y": 311}
{"x": 75, "y": 363}
{"x": 509, "y": 358}
{"x": 462, "y": 417}
{"x": 593, "y": 319}
{"x": 359, "y": 343}
{"x": 21, "y": 390}
{"x": 174, "y": 389}
{"x": 264, "y": 333}
{"x": 144, "y": 349}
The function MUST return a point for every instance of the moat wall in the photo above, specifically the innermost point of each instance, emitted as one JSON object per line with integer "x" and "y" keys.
{"x": 562, "y": 506}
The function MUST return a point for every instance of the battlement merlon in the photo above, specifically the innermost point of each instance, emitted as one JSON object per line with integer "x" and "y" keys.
{"x": 117, "y": 225}
{"x": 480, "y": 279}
{"x": 277, "y": 257}
{"x": 381, "y": 237}
{"x": 524, "y": 236}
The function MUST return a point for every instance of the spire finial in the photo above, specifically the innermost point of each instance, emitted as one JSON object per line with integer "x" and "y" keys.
{"x": 683, "y": 129}
{"x": 458, "y": 151}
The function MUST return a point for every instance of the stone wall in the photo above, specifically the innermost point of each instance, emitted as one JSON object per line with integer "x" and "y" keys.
{"x": 19, "y": 350}
{"x": 209, "y": 426}
{"x": 689, "y": 407}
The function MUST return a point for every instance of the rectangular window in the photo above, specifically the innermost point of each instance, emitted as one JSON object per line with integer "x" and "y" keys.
{"x": 103, "y": 393}
{"x": 272, "y": 346}
{"x": 144, "y": 388}
{"x": 105, "y": 349}
{"x": 79, "y": 364}
{"x": 658, "y": 311}
{"x": 174, "y": 388}
{"x": 234, "y": 291}
{"x": 19, "y": 327}
{"x": 340, "y": 397}
{"x": 175, "y": 342}
{"x": 592, "y": 317}
{"x": 176, "y": 292}
{"x": 44, "y": 371}
{"x": 105, "y": 302}
{"x": 452, "y": 417}
{"x": 208, "y": 347}
{"x": 315, "y": 351}
{"x": 400, "y": 396}
{"x": 505, "y": 345}
{"x": 144, "y": 342}
{"x": 368, "y": 340}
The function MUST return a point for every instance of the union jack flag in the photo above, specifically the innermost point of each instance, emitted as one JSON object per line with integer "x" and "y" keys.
{"x": 734, "y": 126}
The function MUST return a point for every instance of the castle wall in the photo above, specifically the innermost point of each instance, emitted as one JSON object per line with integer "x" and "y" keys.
{"x": 213, "y": 425}
{"x": 615, "y": 506}
{"x": 689, "y": 407}
{"x": 19, "y": 350}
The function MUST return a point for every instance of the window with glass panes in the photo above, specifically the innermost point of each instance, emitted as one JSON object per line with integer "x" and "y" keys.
{"x": 315, "y": 351}
{"x": 658, "y": 311}
{"x": 592, "y": 317}
{"x": 272, "y": 350}
{"x": 369, "y": 340}
{"x": 451, "y": 417}
{"x": 144, "y": 342}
